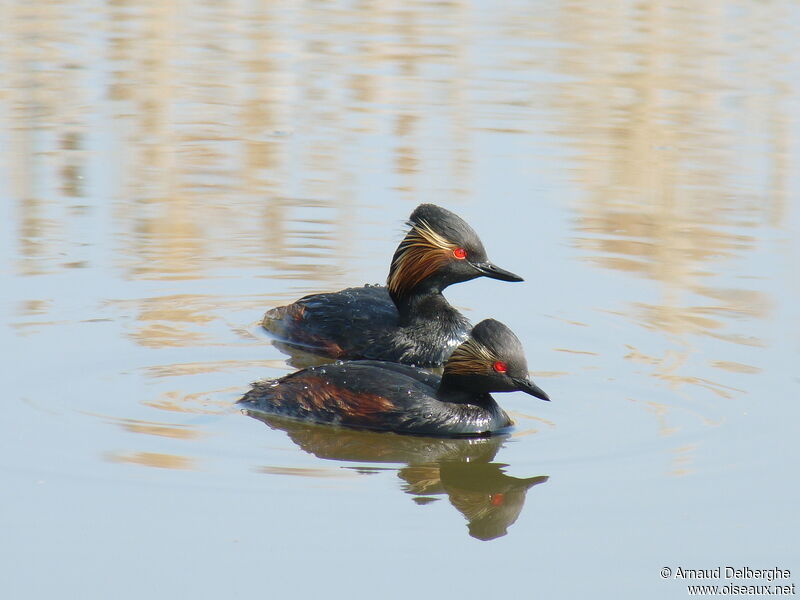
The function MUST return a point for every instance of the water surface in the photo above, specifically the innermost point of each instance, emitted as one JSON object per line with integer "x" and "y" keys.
{"x": 173, "y": 170}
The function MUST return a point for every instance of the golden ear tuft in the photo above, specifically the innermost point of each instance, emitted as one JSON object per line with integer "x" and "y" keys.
{"x": 420, "y": 255}
{"x": 470, "y": 358}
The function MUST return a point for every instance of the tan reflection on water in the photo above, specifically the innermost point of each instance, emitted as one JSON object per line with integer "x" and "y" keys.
{"x": 257, "y": 111}
{"x": 211, "y": 142}
{"x": 230, "y": 135}
{"x": 683, "y": 158}
{"x": 153, "y": 459}
{"x": 170, "y": 105}
{"x": 168, "y": 430}
{"x": 683, "y": 459}
{"x": 195, "y": 403}
{"x": 308, "y": 472}
{"x": 735, "y": 367}
{"x": 195, "y": 368}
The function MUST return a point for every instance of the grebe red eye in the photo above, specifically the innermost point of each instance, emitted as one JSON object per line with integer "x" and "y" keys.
{"x": 460, "y": 253}
{"x": 500, "y": 366}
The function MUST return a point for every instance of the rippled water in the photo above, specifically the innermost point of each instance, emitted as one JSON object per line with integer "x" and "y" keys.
{"x": 173, "y": 170}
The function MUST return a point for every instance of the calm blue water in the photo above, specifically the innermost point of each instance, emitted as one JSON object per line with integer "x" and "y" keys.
{"x": 173, "y": 171}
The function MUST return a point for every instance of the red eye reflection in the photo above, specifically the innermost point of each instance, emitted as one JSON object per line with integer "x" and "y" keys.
{"x": 497, "y": 499}
{"x": 500, "y": 366}
{"x": 460, "y": 253}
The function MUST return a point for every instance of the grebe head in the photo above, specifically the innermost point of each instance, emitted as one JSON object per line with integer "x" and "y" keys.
{"x": 491, "y": 360}
{"x": 440, "y": 249}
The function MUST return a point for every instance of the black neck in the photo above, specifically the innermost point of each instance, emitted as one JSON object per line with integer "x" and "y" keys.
{"x": 452, "y": 390}
{"x": 423, "y": 306}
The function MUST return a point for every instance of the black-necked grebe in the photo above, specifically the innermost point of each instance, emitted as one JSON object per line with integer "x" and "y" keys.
{"x": 409, "y": 321}
{"x": 393, "y": 397}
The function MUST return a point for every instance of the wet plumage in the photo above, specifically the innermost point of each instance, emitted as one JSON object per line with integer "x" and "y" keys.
{"x": 408, "y": 321}
{"x": 389, "y": 396}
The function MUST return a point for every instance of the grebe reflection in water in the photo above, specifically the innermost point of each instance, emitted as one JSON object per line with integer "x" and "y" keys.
{"x": 462, "y": 469}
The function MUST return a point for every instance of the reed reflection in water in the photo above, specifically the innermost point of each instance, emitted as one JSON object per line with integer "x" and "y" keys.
{"x": 654, "y": 119}
{"x": 664, "y": 121}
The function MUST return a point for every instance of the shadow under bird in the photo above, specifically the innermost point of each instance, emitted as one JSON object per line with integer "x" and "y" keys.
{"x": 394, "y": 397}
{"x": 407, "y": 321}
